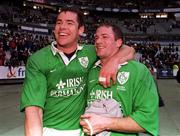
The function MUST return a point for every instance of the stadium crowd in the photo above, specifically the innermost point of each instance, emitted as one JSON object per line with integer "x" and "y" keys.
{"x": 17, "y": 45}
{"x": 15, "y": 48}
{"x": 157, "y": 55}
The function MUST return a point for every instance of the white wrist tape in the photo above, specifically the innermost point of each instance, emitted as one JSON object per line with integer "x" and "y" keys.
{"x": 89, "y": 125}
{"x": 102, "y": 79}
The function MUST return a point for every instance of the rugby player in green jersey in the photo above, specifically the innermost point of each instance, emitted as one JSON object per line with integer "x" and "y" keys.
{"x": 54, "y": 90}
{"x": 135, "y": 92}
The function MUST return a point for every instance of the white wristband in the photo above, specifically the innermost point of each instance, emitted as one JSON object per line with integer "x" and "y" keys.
{"x": 89, "y": 125}
{"x": 102, "y": 79}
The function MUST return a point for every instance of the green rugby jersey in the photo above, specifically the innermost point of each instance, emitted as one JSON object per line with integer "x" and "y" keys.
{"x": 58, "y": 85}
{"x": 135, "y": 91}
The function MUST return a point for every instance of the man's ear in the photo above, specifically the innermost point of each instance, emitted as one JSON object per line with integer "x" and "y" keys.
{"x": 81, "y": 30}
{"x": 119, "y": 43}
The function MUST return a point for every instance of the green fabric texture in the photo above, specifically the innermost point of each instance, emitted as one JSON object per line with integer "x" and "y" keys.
{"x": 59, "y": 89}
{"x": 136, "y": 93}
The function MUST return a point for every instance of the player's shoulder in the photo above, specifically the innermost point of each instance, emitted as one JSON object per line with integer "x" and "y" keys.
{"x": 135, "y": 66}
{"x": 136, "y": 63}
{"x": 44, "y": 52}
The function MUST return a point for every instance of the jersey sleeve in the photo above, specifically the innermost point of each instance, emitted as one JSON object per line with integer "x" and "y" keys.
{"x": 145, "y": 100}
{"x": 35, "y": 86}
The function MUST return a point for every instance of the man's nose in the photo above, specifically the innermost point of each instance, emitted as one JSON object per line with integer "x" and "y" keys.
{"x": 63, "y": 25}
{"x": 98, "y": 41}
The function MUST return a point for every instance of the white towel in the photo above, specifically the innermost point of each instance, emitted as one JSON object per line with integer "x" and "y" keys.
{"x": 107, "y": 108}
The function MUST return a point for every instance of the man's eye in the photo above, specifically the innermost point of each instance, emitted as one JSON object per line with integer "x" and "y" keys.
{"x": 70, "y": 23}
{"x": 96, "y": 38}
{"x": 58, "y": 23}
{"x": 105, "y": 37}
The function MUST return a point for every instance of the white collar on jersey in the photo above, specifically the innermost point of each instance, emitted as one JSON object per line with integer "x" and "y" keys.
{"x": 98, "y": 64}
{"x": 55, "y": 50}
{"x": 64, "y": 57}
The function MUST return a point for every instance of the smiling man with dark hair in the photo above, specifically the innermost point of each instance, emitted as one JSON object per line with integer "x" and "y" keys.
{"x": 135, "y": 92}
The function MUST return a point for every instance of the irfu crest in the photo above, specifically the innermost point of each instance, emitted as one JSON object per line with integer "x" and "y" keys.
{"x": 84, "y": 61}
{"x": 123, "y": 77}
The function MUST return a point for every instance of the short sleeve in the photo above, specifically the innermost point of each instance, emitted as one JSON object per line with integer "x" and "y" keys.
{"x": 35, "y": 86}
{"x": 145, "y": 111}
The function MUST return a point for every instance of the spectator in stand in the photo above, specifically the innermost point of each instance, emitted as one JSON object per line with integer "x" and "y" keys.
{"x": 2, "y": 56}
{"x": 12, "y": 44}
{"x": 14, "y": 62}
{"x": 25, "y": 56}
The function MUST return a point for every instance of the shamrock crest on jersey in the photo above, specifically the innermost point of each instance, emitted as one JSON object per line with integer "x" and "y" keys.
{"x": 84, "y": 61}
{"x": 123, "y": 77}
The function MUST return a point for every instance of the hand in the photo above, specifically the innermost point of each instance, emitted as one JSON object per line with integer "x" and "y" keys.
{"x": 110, "y": 68}
{"x": 97, "y": 122}
{"x": 108, "y": 72}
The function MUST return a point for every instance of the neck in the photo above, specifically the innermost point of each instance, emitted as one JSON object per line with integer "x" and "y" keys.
{"x": 106, "y": 59}
{"x": 67, "y": 49}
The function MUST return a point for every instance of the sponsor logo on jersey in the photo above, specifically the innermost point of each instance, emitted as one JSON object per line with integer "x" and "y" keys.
{"x": 101, "y": 94}
{"x": 84, "y": 61}
{"x": 68, "y": 87}
{"x": 121, "y": 88}
{"x": 123, "y": 77}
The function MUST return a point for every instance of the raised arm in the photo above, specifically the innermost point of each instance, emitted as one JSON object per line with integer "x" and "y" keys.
{"x": 33, "y": 121}
{"x": 125, "y": 53}
{"x": 109, "y": 70}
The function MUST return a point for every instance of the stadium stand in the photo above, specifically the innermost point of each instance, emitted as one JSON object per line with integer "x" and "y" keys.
{"x": 27, "y": 27}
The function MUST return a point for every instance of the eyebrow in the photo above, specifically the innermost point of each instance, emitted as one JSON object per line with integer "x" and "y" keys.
{"x": 68, "y": 20}
{"x": 101, "y": 34}
{"x": 105, "y": 34}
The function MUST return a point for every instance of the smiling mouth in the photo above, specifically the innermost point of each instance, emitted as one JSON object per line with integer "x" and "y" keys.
{"x": 100, "y": 47}
{"x": 63, "y": 34}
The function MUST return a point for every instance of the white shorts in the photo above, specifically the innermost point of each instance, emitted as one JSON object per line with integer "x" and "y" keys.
{"x": 55, "y": 132}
